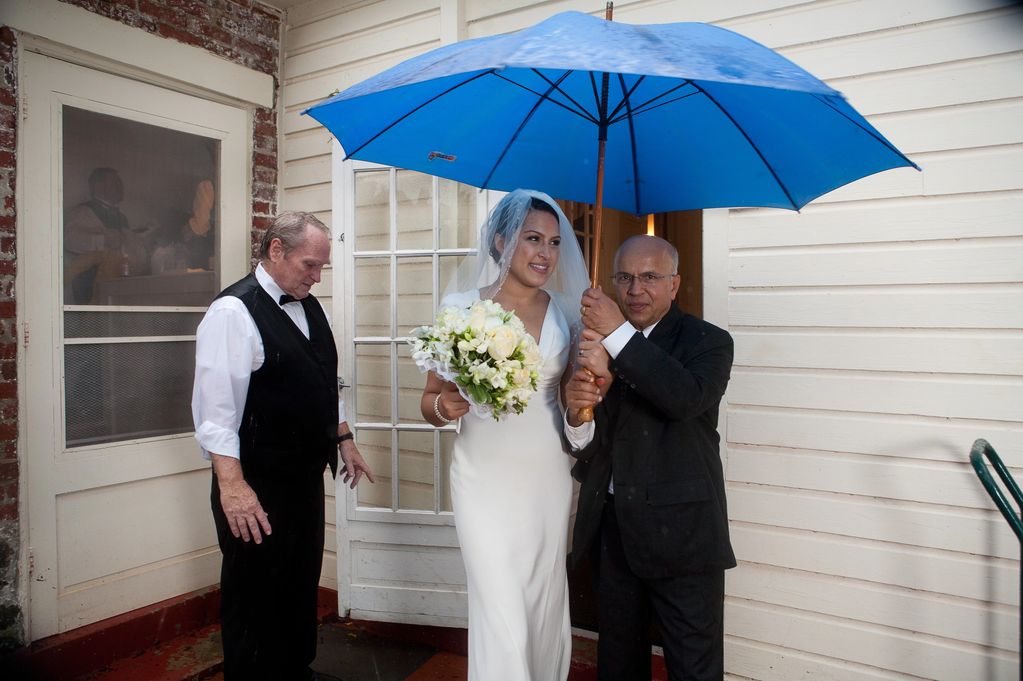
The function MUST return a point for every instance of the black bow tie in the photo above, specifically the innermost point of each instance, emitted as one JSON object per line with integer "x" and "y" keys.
{"x": 286, "y": 298}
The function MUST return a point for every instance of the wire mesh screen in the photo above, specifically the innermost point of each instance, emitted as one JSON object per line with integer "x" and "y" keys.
{"x": 124, "y": 391}
{"x": 90, "y": 324}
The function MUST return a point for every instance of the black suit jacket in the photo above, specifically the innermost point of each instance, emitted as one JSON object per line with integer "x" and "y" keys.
{"x": 657, "y": 431}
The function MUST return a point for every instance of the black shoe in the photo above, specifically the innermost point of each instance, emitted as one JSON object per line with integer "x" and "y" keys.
{"x": 320, "y": 676}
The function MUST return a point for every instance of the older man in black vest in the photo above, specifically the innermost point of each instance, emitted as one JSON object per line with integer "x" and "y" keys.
{"x": 266, "y": 411}
{"x": 652, "y": 501}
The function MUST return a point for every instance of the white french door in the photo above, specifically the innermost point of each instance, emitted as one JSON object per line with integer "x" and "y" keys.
{"x": 400, "y": 236}
{"x": 132, "y": 215}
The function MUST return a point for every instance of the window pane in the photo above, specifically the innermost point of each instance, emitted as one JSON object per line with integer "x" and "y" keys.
{"x": 458, "y": 226}
{"x": 373, "y": 297}
{"x": 447, "y": 444}
{"x": 415, "y": 293}
{"x": 140, "y": 213}
{"x": 415, "y": 471}
{"x": 375, "y": 447}
{"x": 127, "y": 324}
{"x": 111, "y": 394}
{"x": 373, "y": 383}
{"x": 372, "y": 210}
{"x": 415, "y": 210}
{"x": 410, "y": 387}
{"x": 448, "y": 265}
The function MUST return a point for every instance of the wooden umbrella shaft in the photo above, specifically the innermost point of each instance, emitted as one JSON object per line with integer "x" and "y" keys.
{"x": 586, "y": 414}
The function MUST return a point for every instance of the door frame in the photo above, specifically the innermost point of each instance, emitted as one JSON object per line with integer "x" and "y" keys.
{"x": 363, "y": 531}
{"x": 47, "y": 84}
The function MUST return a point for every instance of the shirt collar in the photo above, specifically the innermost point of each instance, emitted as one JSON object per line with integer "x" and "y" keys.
{"x": 648, "y": 330}
{"x": 267, "y": 282}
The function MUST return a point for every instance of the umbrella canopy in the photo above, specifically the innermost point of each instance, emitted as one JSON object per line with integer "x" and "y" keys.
{"x": 695, "y": 116}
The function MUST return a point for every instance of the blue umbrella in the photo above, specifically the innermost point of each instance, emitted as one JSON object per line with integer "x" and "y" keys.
{"x": 694, "y": 116}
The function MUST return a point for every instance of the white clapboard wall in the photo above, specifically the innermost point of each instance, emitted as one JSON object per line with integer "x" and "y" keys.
{"x": 878, "y": 332}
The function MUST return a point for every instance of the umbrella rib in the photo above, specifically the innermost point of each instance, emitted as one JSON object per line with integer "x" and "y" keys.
{"x": 753, "y": 145}
{"x": 581, "y": 109}
{"x": 870, "y": 132}
{"x": 580, "y": 112}
{"x": 596, "y": 93}
{"x": 625, "y": 95}
{"x": 645, "y": 105}
{"x": 637, "y": 111}
{"x": 518, "y": 130}
{"x": 414, "y": 110}
{"x": 632, "y": 139}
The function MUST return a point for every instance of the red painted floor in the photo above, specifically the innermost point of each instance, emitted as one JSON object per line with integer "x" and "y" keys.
{"x": 346, "y": 650}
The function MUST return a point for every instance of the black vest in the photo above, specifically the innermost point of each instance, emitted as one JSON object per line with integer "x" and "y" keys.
{"x": 289, "y": 425}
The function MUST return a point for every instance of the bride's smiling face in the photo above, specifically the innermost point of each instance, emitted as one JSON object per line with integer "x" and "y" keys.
{"x": 537, "y": 249}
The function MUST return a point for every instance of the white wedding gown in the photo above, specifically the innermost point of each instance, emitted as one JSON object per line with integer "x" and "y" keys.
{"x": 511, "y": 489}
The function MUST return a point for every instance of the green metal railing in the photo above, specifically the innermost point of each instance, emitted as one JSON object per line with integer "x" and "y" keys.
{"x": 981, "y": 450}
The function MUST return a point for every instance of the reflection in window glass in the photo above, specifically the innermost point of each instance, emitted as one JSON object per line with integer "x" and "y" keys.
{"x": 458, "y": 226}
{"x": 373, "y": 384}
{"x": 373, "y": 293}
{"x": 447, "y": 446}
{"x": 139, "y": 241}
{"x": 415, "y": 470}
{"x": 372, "y": 210}
{"x": 140, "y": 213}
{"x": 375, "y": 447}
{"x": 414, "y": 210}
{"x": 415, "y": 293}
{"x": 410, "y": 387}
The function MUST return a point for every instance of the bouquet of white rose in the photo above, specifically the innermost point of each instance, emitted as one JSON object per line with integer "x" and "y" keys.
{"x": 486, "y": 352}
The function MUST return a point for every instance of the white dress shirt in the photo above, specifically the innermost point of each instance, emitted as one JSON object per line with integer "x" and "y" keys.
{"x": 581, "y": 435}
{"x": 228, "y": 349}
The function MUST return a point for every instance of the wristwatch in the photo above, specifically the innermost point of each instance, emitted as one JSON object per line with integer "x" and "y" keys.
{"x": 347, "y": 436}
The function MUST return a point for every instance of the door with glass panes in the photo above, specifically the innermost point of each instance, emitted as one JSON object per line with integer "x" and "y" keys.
{"x": 133, "y": 215}
{"x": 401, "y": 236}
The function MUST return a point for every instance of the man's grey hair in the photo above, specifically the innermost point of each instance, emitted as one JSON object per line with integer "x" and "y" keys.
{"x": 289, "y": 227}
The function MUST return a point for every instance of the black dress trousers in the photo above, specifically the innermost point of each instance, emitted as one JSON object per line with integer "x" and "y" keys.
{"x": 689, "y": 610}
{"x": 269, "y": 590}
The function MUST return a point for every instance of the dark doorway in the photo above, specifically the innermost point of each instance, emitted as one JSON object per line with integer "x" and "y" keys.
{"x": 684, "y": 230}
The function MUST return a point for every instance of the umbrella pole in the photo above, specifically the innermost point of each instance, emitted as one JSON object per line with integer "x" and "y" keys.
{"x": 586, "y": 414}
{"x": 597, "y": 217}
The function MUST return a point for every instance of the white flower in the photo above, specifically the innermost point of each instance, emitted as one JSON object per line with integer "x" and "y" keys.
{"x": 486, "y": 351}
{"x": 503, "y": 341}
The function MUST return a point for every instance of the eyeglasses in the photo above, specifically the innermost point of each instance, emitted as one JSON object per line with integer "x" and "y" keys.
{"x": 645, "y": 279}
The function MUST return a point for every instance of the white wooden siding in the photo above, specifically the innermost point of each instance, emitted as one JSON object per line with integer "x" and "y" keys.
{"x": 878, "y": 332}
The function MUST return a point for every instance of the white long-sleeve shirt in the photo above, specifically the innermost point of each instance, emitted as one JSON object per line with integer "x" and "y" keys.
{"x": 228, "y": 349}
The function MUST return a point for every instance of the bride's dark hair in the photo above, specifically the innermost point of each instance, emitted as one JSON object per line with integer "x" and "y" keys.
{"x": 505, "y": 213}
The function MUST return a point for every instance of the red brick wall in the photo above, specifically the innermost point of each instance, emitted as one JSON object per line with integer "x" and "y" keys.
{"x": 242, "y": 31}
{"x": 10, "y": 613}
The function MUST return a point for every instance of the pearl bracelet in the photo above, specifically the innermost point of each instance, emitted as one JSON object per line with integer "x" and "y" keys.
{"x": 436, "y": 410}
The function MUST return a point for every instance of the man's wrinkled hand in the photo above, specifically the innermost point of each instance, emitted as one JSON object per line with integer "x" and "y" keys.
{"x": 581, "y": 392}
{"x": 245, "y": 515}
{"x": 354, "y": 465}
{"x": 593, "y": 356}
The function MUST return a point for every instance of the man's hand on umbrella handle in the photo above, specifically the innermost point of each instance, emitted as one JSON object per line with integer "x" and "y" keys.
{"x": 581, "y": 394}
{"x": 599, "y": 312}
{"x": 594, "y": 358}
{"x": 595, "y": 364}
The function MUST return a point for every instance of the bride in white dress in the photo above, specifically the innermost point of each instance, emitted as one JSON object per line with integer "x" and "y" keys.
{"x": 511, "y": 487}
